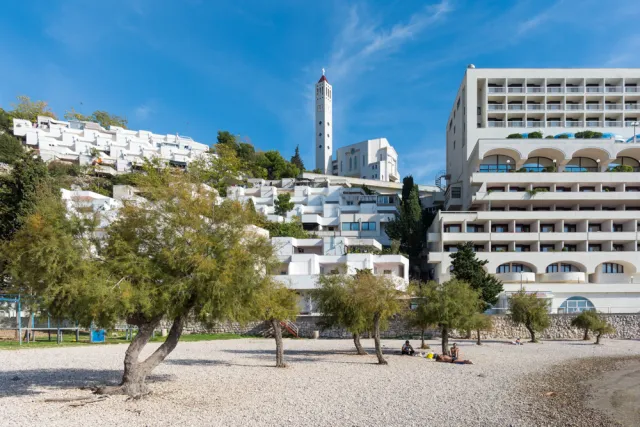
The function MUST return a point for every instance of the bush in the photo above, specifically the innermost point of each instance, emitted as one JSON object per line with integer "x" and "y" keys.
{"x": 563, "y": 136}
{"x": 549, "y": 137}
{"x": 530, "y": 311}
{"x": 515, "y": 136}
{"x": 535, "y": 135}
{"x": 621, "y": 168}
{"x": 588, "y": 134}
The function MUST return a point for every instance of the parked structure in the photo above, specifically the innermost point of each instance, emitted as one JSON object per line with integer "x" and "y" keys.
{"x": 566, "y": 226}
{"x": 115, "y": 150}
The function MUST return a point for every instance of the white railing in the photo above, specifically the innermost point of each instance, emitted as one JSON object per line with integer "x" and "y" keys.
{"x": 535, "y": 124}
{"x": 612, "y": 124}
{"x": 629, "y": 124}
{"x": 516, "y": 107}
{"x": 595, "y": 89}
{"x": 631, "y": 106}
{"x": 514, "y": 124}
{"x": 576, "y": 124}
{"x": 518, "y": 89}
{"x": 554, "y": 123}
{"x": 573, "y": 107}
{"x": 495, "y": 107}
{"x": 495, "y": 124}
{"x": 554, "y": 89}
{"x": 574, "y": 89}
{"x": 534, "y": 106}
{"x": 496, "y": 89}
{"x": 555, "y": 107}
{"x": 593, "y": 124}
{"x": 593, "y": 107}
{"x": 631, "y": 89}
{"x": 613, "y": 106}
{"x": 611, "y": 89}
{"x": 535, "y": 89}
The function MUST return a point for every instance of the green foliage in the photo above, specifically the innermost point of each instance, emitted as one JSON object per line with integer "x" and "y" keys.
{"x": 276, "y": 302}
{"x": 364, "y": 250}
{"x": 588, "y": 134}
{"x": 6, "y": 121}
{"x": 367, "y": 190}
{"x": 318, "y": 171}
{"x": 468, "y": 268}
{"x": 563, "y": 136}
{"x": 103, "y": 118}
{"x": 602, "y": 328}
{"x": 549, "y": 137}
{"x": 515, "y": 136}
{"x": 587, "y": 320}
{"x": 58, "y": 169}
{"x": 283, "y": 204}
{"x": 296, "y": 160}
{"x": 535, "y": 135}
{"x": 530, "y": 311}
{"x": 451, "y": 304}
{"x": 11, "y": 149}
{"x": 377, "y": 294}
{"x": 284, "y": 229}
{"x": 217, "y": 171}
{"x": 339, "y": 308}
{"x": 276, "y": 166}
{"x": 621, "y": 168}
{"x": 27, "y": 109}
{"x": 534, "y": 191}
{"x": 419, "y": 315}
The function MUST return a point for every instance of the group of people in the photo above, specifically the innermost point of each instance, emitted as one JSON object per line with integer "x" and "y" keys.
{"x": 407, "y": 349}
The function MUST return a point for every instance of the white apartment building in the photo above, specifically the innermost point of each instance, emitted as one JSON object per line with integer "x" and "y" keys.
{"x": 115, "y": 150}
{"x": 326, "y": 211}
{"x": 304, "y": 260}
{"x": 557, "y": 216}
{"x": 372, "y": 159}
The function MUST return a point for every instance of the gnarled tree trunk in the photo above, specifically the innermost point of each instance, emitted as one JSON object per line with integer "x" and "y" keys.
{"x": 586, "y": 334}
{"x": 359, "y": 349}
{"x": 478, "y": 342}
{"x": 598, "y": 335}
{"x": 531, "y": 332}
{"x": 423, "y": 345}
{"x": 376, "y": 339}
{"x": 445, "y": 340}
{"x": 135, "y": 371}
{"x": 277, "y": 334}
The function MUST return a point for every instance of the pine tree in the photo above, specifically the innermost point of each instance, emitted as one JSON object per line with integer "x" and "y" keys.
{"x": 297, "y": 160}
{"x": 468, "y": 268}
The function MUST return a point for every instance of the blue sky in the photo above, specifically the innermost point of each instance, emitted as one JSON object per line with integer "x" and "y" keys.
{"x": 196, "y": 66}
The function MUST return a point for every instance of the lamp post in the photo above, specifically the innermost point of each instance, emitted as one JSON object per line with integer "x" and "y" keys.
{"x": 508, "y": 164}
{"x": 634, "y": 124}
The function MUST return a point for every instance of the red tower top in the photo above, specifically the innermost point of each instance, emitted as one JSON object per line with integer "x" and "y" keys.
{"x": 323, "y": 79}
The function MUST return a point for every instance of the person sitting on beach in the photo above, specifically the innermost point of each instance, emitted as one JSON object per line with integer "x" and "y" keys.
{"x": 448, "y": 359}
{"x": 455, "y": 352}
{"x": 517, "y": 342}
{"x": 407, "y": 349}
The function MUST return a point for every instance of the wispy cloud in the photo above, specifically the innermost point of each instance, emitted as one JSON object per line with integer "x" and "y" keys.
{"x": 625, "y": 53}
{"x": 142, "y": 112}
{"x": 423, "y": 165}
{"x": 532, "y": 23}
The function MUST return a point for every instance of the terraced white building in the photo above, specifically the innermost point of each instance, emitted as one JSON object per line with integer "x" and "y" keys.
{"x": 115, "y": 149}
{"x": 558, "y": 216}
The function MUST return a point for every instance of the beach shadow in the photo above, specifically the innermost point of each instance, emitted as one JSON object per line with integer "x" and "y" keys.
{"x": 26, "y": 382}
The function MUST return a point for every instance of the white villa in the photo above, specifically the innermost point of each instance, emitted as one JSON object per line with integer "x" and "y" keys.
{"x": 558, "y": 215}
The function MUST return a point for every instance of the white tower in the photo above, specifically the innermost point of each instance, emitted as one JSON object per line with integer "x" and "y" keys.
{"x": 324, "y": 116}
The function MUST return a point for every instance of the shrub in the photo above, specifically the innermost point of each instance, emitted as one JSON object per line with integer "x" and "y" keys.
{"x": 549, "y": 137}
{"x": 563, "y": 136}
{"x": 621, "y": 168}
{"x": 515, "y": 136}
{"x": 588, "y": 134}
{"x": 535, "y": 135}
{"x": 530, "y": 311}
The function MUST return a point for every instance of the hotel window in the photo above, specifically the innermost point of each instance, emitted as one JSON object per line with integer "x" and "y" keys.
{"x": 570, "y": 248}
{"x": 562, "y": 208}
{"x": 542, "y": 209}
{"x": 595, "y": 248}
{"x": 553, "y": 268}
{"x": 497, "y": 209}
{"x": 350, "y": 226}
{"x": 570, "y": 228}
{"x": 499, "y": 248}
{"x": 478, "y": 248}
{"x": 595, "y": 227}
{"x": 496, "y": 189}
{"x": 587, "y": 208}
{"x": 451, "y": 248}
{"x": 453, "y": 228}
{"x": 587, "y": 189}
{"x": 612, "y": 268}
{"x": 607, "y": 208}
{"x": 618, "y": 247}
{"x": 473, "y": 228}
{"x": 520, "y": 268}
{"x": 547, "y": 248}
{"x": 516, "y": 189}
{"x": 368, "y": 226}
{"x": 563, "y": 189}
{"x": 504, "y": 268}
{"x": 523, "y": 248}
{"x": 499, "y": 228}
{"x": 547, "y": 228}
{"x": 523, "y": 228}
{"x": 608, "y": 189}
{"x": 617, "y": 228}
{"x": 514, "y": 209}
{"x": 568, "y": 268}
{"x": 633, "y": 189}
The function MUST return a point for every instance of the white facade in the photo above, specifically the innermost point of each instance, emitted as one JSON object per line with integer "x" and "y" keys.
{"x": 304, "y": 260}
{"x": 372, "y": 159}
{"x": 556, "y": 216}
{"x": 325, "y": 211}
{"x": 116, "y": 149}
{"x": 324, "y": 118}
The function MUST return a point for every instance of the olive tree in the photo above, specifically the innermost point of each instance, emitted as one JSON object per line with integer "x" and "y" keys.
{"x": 601, "y": 328}
{"x": 529, "y": 310}
{"x": 418, "y": 316}
{"x": 587, "y": 320}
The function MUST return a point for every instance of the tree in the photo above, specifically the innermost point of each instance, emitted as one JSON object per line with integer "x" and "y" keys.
{"x": 379, "y": 299}
{"x": 468, "y": 268}
{"x": 602, "y": 328}
{"x": 6, "y": 122}
{"x": 277, "y": 304}
{"x": 296, "y": 160}
{"x": 292, "y": 228}
{"x": 276, "y": 166}
{"x": 339, "y": 307}
{"x": 419, "y": 316}
{"x": 529, "y": 310}
{"x": 283, "y": 204}
{"x": 218, "y": 171}
{"x": 11, "y": 148}
{"x": 480, "y": 322}
{"x": 450, "y": 305}
{"x": 586, "y": 320}
{"x": 103, "y": 118}
{"x": 27, "y": 109}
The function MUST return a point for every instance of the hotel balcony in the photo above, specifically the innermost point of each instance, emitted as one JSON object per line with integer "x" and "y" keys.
{"x": 564, "y": 277}
{"x": 496, "y": 89}
{"x": 495, "y": 107}
{"x": 521, "y": 277}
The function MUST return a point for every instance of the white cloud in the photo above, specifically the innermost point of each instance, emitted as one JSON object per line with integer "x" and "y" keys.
{"x": 143, "y": 111}
{"x": 423, "y": 165}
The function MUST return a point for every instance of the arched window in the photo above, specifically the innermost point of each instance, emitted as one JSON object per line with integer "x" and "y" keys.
{"x": 514, "y": 267}
{"x": 538, "y": 164}
{"x": 576, "y": 305}
{"x": 612, "y": 268}
{"x": 497, "y": 163}
{"x": 581, "y": 164}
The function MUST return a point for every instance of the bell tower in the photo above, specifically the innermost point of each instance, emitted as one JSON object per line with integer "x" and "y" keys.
{"x": 324, "y": 116}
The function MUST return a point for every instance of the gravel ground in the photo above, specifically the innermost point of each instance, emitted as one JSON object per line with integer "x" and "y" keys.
{"x": 229, "y": 383}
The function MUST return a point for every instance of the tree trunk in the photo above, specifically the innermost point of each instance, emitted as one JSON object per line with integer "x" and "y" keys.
{"x": 468, "y": 335}
{"x": 532, "y": 333}
{"x": 586, "y": 334}
{"x": 423, "y": 345}
{"x": 478, "y": 342}
{"x": 445, "y": 340}
{"x": 135, "y": 371}
{"x": 376, "y": 338}
{"x": 598, "y": 335}
{"x": 356, "y": 340}
{"x": 277, "y": 333}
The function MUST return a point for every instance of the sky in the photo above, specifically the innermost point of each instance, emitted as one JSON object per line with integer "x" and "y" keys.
{"x": 194, "y": 67}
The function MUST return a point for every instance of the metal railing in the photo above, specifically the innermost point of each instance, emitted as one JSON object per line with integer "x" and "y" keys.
{"x": 595, "y": 89}
{"x": 495, "y": 107}
{"x": 593, "y": 107}
{"x": 535, "y": 124}
{"x": 517, "y": 89}
{"x": 555, "y": 89}
{"x": 574, "y": 89}
{"x": 535, "y": 106}
{"x": 535, "y": 89}
{"x": 499, "y": 89}
{"x": 555, "y": 107}
{"x": 554, "y": 123}
{"x": 631, "y": 106}
{"x": 575, "y": 124}
{"x": 612, "y": 124}
{"x": 517, "y": 107}
{"x": 593, "y": 123}
{"x": 613, "y": 106}
{"x": 495, "y": 124}
{"x": 631, "y": 89}
{"x": 518, "y": 124}
{"x": 573, "y": 107}
{"x": 495, "y": 168}
{"x": 611, "y": 89}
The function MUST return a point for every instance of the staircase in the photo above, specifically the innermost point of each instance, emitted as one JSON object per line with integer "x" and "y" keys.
{"x": 291, "y": 327}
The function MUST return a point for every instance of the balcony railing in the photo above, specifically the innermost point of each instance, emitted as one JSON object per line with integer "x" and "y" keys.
{"x": 495, "y": 107}
{"x": 595, "y": 89}
{"x": 517, "y": 107}
{"x": 612, "y": 124}
{"x": 580, "y": 169}
{"x": 574, "y": 107}
{"x": 613, "y": 106}
{"x": 517, "y": 89}
{"x": 495, "y": 124}
{"x": 631, "y": 89}
{"x": 554, "y": 123}
{"x": 518, "y": 124}
{"x": 613, "y": 89}
{"x": 629, "y": 123}
{"x": 575, "y": 124}
{"x": 534, "y": 124}
{"x": 534, "y": 89}
{"x": 498, "y": 89}
{"x": 631, "y": 107}
{"x": 554, "y": 89}
{"x": 593, "y": 107}
{"x": 593, "y": 123}
{"x": 535, "y": 106}
{"x": 574, "y": 89}
{"x": 495, "y": 168}
{"x": 554, "y": 107}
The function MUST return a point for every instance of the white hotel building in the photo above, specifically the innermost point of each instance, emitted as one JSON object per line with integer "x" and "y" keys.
{"x": 115, "y": 149}
{"x": 573, "y": 205}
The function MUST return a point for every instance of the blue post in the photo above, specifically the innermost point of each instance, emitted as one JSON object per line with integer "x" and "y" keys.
{"x": 49, "y": 326}
{"x": 19, "y": 321}
{"x": 32, "y": 334}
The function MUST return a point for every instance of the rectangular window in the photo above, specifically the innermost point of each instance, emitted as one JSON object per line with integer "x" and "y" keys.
{"x": 617, "y": 228}
{"x": 587, "y": 189}
{"x": 595, "y": 227}
{"x": 456, "y": 192}
{"x": 553, "y": 268}
{"x": 595, "y": 248}
{"x": 547, "y": 228}
{"x": 612, "y": 268}
{"x": 499, "y": 248}
{"x": 570, "y": 248}
{"x": 567, "y": 268}
{"x": 504, "y": 268}
{"x": 451, "y": 248}
{"x": 570, "y": 228}
{"x": 618, "y": 248}
{"x": 453, "y": 228}
{"x": 563, "y": 189}
{"x": 473, "y": 228}
{"x": 499, "y": 228}
{"x": 547, "y": 248}
{"x": 368, "y": 226}
{"x": 350, "y": 226}
{"x": 523, "y": 248}
{"x": 478, "y": 248}
{"x": 523, "y": 228}
{"x": 516, "y": 189}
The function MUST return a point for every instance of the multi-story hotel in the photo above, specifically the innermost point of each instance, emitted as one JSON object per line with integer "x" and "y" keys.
{"x": 115, "y": 149}
{"x": 554, "y": 213}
